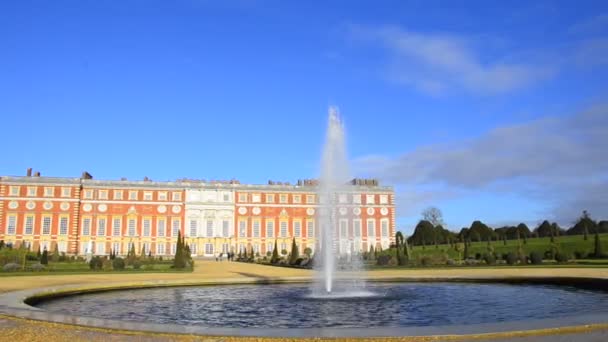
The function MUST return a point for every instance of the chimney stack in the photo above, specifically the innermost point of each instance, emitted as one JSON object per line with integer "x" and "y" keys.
{"x": 37, "y": 174}
{"x": 29, "y": 172}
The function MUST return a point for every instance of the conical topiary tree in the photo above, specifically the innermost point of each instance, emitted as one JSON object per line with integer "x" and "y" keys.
{"x": 44, "y": 258}
{"x": 275, "y": 254}
{"x": 598, "y": 253}
{"x": 179, "y": 261}
{"x": 398, "y": 242}
{"x": 295, "y": 254}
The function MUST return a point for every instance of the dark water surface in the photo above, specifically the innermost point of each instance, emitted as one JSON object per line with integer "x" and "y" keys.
{"x": 288, "y": 306}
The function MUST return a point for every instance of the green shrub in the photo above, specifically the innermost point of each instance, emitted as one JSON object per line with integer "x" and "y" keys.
{"x": 118, "y": 263}
{"x": 426, "y": 261}
{"x": 107, "y": 265}
{"x": 11, "y": 267}
{"x": 383, "y": 260}
{"x": 511, "y": 258}
{"x": 96, "y": 263}
{"x": 561, "y": 257}
{"x": 536, "y": 258}
{"x": 136, "y": 264}
{"x": 489, "y": 258}
{"x": 38, "y": 267}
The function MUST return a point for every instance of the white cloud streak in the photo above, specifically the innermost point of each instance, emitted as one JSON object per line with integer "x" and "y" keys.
{"x": 561, "y": 161}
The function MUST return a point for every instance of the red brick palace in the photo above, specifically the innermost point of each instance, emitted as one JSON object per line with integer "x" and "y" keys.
{"x": 85, "y": 215}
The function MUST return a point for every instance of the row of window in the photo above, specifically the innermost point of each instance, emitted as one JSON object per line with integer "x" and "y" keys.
{"x": 32, "y": 191}
{"x": 209, "y": 229}
{"x": 145, "y": 248}
{"x": 310, "y": 228}
{"x": 45, "y": 223}
{"x": 102, "y": 228}
{"x": 310, "y": 199}
{"x": 132, "y": 195}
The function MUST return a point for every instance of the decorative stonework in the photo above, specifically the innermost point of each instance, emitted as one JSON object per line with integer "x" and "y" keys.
{"x": 384, "y": 211}
{"x": 242, "y": 210}
{"x": 64, "y": 206}
{"x": 370, "y": 211}
{"x": 30, "y": 205}
{"x": 162, "y": 209}
{"x": 176, "y": 209}
{"x": 87, "y": 207}
{"x": 47, "y": 205}
{"x": 13, "y": 205}
{"x": 357, "y": 211}
{"x": 256, "y": 211}
{"x": 102, "y": 208}
{"x": 343, "y": 211}
{"x": 310, "y": 211}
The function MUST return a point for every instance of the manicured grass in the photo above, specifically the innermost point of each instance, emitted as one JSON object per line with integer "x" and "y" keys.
{"x": 81, "y": 267}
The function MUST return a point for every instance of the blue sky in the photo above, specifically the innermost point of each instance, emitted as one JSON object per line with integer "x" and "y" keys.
{"x": 491, "y": 111}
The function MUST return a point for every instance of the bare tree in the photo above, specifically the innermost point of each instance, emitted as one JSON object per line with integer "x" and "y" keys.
{"x": 433, "y": 215}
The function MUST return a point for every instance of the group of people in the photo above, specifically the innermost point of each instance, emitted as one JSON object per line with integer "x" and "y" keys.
{"x": 229, "y": 256}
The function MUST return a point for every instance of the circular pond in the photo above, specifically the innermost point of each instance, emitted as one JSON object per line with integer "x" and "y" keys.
{"x": 292, "y": 306}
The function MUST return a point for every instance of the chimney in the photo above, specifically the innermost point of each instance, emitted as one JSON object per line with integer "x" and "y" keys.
{"x": 29, "y": 172}
{"x": 37, "y": 174}
{"x": 86, "y": 175}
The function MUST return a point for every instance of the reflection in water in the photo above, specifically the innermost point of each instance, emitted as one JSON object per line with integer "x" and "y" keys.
{"x": 287, "y": 306}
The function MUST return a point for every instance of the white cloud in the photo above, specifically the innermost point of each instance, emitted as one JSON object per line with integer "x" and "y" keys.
{"x": 435, "y": 63}
{"x": 560, "y": 161}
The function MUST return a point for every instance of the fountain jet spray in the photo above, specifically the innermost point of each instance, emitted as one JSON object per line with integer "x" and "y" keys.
{"x": 334, "y": 176}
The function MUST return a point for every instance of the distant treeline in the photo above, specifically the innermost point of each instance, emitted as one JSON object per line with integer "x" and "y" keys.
{"x": 427, "y": 234}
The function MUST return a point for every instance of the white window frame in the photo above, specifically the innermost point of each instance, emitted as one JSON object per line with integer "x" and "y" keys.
{"x": 14, "y": 190}
{"x": 242, "y": 198}
{"x": 297, "y": 229}
{"x": 357, "y": 228}
{"x": 384, "y": 228}
{"x": 116, "y": 248}
{"x": 270, "y": 229}
{"x": 102, "y": 194}
{"x": 102, "y": 226}
{"x": 283, "y": 199}
{"x": 148, "y": 196}
{"x": 383, "y": 199}
{"x": 88, "y": 194}
{"x": 343, "y": 228}
{"x": 176, "y": 196}
{"x": 28, "y": 225}
{"x": 310, "y": 228}
{"x": 116, "y": 226}
{"x": 256, "y": 198}
{"x": 160, "y": 249}
{"x": 357, "y": 198}
{"x": 370, "y": 199}
{"x": 208, "y": 248}
{"x": 147, "y": 227}
{"x": 86, "y": 226}
{"x": 297, "y": 199}
{"x": 64, "y": 223}
{"x": 256, "y": 228}
{"x": 310, "y": 199}
{"x": 162, "y": 195}
{"x": 176, "y": 226}
{"x": 66, "y": 192}
{"x": 49, "y": 191}
{"x": 371, "y": 227}
{"x": 283, "y": 229}
{"x": 132, "y": 227}
{"x": 210, "y": 228}
{"x": 226, "y": 228}
{"x": 32, "y": 191}
{"x": 269, "y": 198}
{"x": 11, "y": 224}
{"x": 161, "y": 227}
{"x": 118, "y": 194}
{"x": 242, "y": 228}
{"x": 133, "y": 195}
{"x": 193, "y": 227}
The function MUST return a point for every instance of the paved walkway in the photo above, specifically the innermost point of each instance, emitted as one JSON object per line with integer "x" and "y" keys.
{"x": 12, "y": 329}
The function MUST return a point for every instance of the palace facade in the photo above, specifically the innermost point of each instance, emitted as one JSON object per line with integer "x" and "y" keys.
{"x": 83, "y": 215}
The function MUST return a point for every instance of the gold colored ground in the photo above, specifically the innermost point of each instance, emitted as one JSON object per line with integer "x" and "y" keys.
{"x": 13, "y": 329}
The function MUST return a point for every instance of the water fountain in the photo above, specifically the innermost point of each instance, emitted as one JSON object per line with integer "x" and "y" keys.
{"x": 334, "y": 176}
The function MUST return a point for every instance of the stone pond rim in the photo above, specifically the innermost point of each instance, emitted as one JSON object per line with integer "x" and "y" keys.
{"x": 18, "y": 304}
